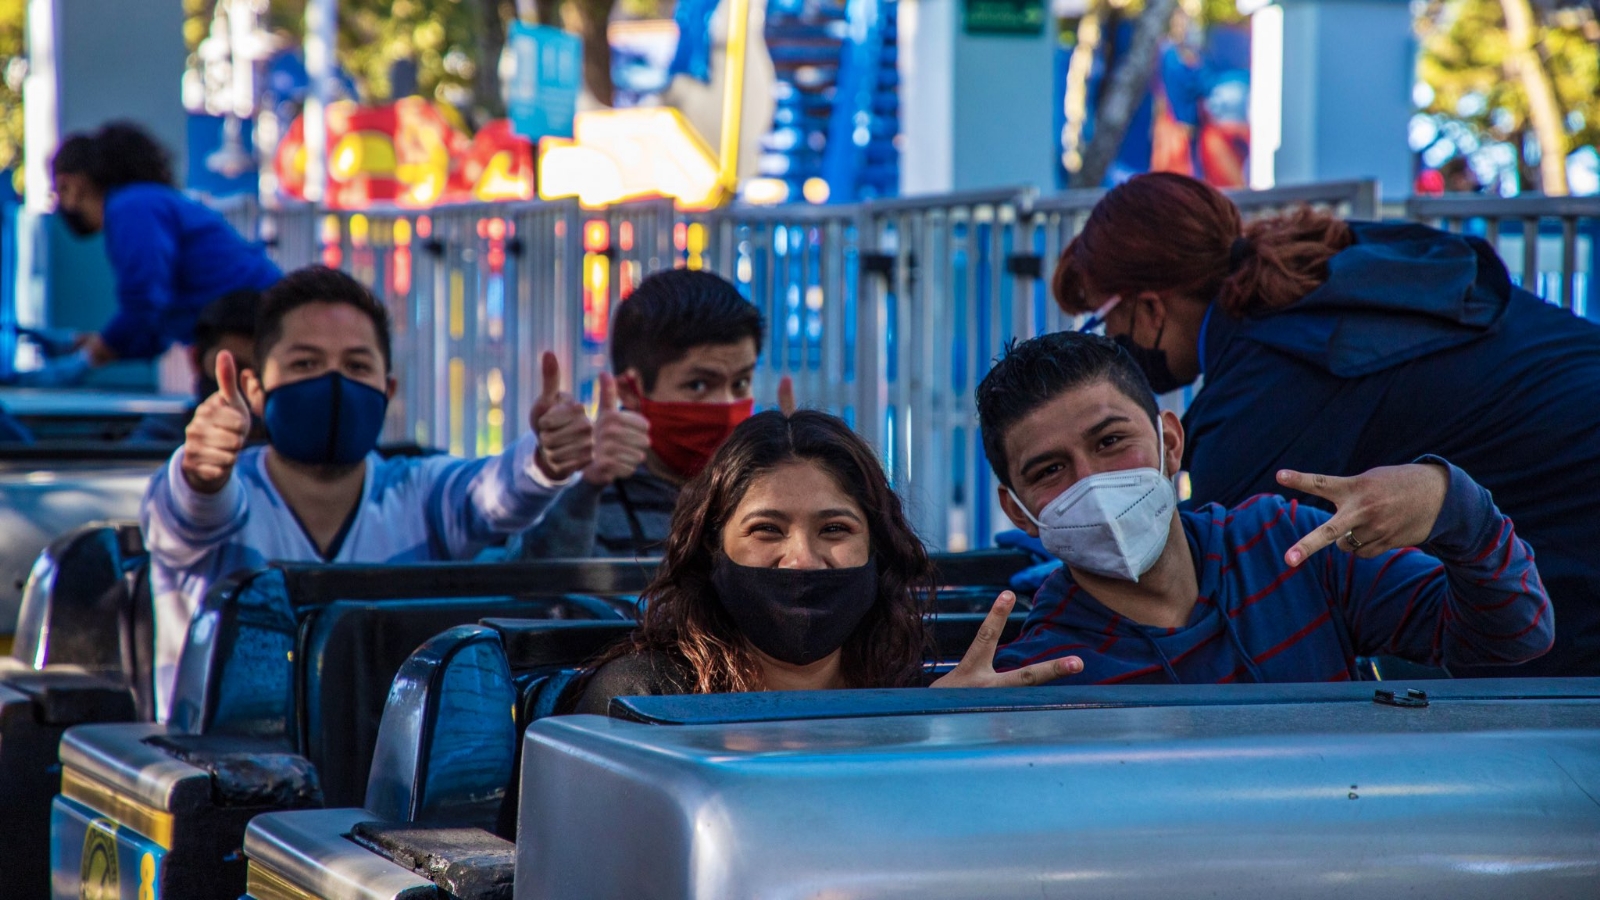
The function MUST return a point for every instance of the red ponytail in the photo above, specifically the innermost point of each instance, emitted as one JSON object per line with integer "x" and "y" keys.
{"x": 1170, "y": 233}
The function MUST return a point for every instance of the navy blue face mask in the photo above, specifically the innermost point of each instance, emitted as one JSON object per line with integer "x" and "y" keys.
{"x": 327, "y": 420}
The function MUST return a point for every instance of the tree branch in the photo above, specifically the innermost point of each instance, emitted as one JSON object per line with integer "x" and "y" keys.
{"x": 1129, "y": 81}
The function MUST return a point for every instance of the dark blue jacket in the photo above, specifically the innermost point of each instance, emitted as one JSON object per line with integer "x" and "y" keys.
{"x": 171, "y": 256}
{"x": 1418, "y": 343}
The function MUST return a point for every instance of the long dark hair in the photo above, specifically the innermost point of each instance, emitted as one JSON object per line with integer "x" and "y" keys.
{"x": 1167, "y": 232}
{"x": 119, "y": 153}
{"x": 683, "y": 618}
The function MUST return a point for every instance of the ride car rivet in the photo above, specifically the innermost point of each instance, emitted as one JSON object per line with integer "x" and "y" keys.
{"x": 1413, "y": 698}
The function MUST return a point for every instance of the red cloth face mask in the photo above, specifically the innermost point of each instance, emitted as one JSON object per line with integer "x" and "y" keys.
{"x": 686, "y": 435}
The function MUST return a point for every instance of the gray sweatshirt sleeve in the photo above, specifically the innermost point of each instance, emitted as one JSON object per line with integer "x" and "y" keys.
{"x": 568, "y": 528}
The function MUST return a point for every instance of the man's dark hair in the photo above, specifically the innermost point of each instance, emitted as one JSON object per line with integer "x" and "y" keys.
{"x": 671, "y": 313}
{"x": 233, "y": 313}
{"x": 317, "y": 284}
{"x": 119, "y": 153}
{"x": 1032, "y": 373}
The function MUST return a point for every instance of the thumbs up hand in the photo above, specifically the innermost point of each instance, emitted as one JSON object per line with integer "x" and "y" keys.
{"x": 217, "y": 432}
{"x": 566, "y": 436}
{"x": 621, "y": 437}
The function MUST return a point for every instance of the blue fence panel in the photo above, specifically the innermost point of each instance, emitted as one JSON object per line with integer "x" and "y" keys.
{"x": 885, "y": 312}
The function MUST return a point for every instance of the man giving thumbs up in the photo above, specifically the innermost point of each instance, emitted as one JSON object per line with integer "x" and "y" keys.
{"x": 684, "y": 348}
{"x": 318, "y": 491}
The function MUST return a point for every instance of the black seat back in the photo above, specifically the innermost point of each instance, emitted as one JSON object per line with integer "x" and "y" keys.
{"x": 87, "y": 603}
{"x": 351, "y": 652}
{"x": 445, "y": 752}
{"x": 235, "y": 676}
{"x": 445, "y": 746}
{"x": 356, "y": 625}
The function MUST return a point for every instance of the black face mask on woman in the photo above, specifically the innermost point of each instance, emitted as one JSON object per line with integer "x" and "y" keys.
{"x": 797, "y": 616}
{"x": 1152, "y": 361}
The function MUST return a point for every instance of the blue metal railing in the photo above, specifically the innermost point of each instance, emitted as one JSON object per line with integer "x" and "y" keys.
{"x": 884, "y": 312}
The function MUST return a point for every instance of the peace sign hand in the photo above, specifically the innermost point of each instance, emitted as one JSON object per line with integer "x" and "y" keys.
{"x": 977, "y": 667}
{"x": 1377, "y": 511}
{"x": 566, "y": 436}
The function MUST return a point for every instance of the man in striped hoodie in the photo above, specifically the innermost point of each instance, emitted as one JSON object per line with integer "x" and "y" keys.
{"x": 1416, "y": 562}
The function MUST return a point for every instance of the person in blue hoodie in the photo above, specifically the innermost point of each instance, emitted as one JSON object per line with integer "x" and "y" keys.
{"x": 1336, "y": 347}
{"x": 1415, "y": 562}
{"x": 170, "y": 255}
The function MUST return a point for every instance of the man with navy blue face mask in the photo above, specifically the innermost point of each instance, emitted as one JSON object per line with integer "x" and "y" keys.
{"x": 318, "y": 491}
{"x": 1416, "y": 562}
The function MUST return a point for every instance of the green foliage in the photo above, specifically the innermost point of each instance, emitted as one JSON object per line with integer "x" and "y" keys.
{"x": 1464, "y": 49}
{"x": 13, "y": 31}
{"x": 437, "y": 34}
{"x": 440, "y": 35}
{"x": 1220, "y": 12}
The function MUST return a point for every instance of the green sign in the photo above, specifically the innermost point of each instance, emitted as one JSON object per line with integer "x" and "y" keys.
{"x": 1003, "y": 16}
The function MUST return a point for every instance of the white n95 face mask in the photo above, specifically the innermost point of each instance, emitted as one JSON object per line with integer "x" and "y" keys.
{"x": 1113, "y": 524}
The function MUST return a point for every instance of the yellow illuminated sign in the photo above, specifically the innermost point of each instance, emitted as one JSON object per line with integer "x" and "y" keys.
{"x": 627, "y": 154}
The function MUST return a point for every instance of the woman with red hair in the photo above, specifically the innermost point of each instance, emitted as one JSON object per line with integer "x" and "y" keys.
{"x": 1328, "y": 346}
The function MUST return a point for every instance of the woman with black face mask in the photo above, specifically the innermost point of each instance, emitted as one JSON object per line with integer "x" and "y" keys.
{"x": 170, "y": 255}
{"x": 790, "y": 566}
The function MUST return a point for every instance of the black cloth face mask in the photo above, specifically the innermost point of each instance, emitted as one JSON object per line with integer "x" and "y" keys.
{"x": 797, "y": 616}
{"x": 76, "y": 223}
{"x": 1152, "y": 361}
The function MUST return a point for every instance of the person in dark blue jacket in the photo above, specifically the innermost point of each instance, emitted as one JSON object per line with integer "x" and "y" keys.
{"x": 170, "y": 255}
{"x": 1335, "y": 347}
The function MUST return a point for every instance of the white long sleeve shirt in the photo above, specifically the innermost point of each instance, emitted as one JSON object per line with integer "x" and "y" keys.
{"x": 411, "y": 510}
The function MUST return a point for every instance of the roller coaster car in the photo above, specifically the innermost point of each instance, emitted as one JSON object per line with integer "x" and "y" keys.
{"x": 1472, "y": 789}
{"x": 429, "y": 823}
{"x": 440, "y": 801}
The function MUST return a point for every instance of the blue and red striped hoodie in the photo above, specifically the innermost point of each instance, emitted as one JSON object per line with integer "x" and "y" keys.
{"x": 1470, "y": 596}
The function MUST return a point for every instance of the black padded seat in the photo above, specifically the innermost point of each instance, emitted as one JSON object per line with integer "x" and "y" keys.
{"x": 87, "y": 604}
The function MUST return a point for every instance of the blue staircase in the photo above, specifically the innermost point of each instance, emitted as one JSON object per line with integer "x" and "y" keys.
{"x": 837, "y": 92}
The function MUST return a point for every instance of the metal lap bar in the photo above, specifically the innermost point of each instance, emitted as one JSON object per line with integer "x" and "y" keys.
{"x": 1314, "y": 789}
{"x": 778, "y": 706}
{"x": 262, "y": 883}
{"x": 306, "y": 854}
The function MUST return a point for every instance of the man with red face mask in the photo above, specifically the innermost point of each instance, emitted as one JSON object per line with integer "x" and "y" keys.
{"x": 684, "y": 347}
